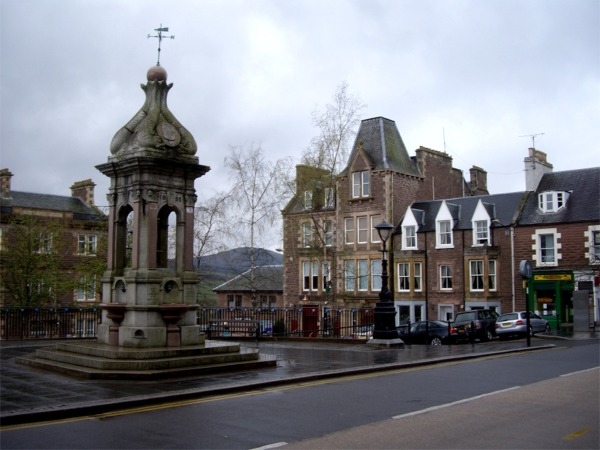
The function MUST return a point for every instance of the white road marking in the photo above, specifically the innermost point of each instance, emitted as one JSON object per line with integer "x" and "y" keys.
{"x": 458, "y": 402}
{"x": 266, "y": 447}
{"x": 581, "y": 371}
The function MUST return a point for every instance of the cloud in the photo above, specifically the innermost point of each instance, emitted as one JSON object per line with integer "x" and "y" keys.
{"x": 467, "y": 77}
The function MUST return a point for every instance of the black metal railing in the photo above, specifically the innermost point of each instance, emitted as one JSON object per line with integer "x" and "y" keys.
{"x": 18, "y": 323}
{"x": 49, "y": 323}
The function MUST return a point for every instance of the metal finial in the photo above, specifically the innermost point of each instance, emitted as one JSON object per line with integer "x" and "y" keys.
{"x": 160, "y": 38}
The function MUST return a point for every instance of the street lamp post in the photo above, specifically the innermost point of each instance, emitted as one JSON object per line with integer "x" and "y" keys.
{"x": 385, "y": 313}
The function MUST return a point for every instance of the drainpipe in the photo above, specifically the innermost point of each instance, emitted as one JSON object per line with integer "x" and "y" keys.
{"x": 512, "y": 266}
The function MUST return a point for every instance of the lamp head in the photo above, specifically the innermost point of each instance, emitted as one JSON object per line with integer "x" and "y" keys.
{"x": 384, "y": 230}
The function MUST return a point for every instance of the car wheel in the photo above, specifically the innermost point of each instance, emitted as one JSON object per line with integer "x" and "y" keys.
{"x": 531, "y": 331}
{"x": 547, "y": 330}
{"x": 488, "y": 336}
{"x": 435, "y": 341}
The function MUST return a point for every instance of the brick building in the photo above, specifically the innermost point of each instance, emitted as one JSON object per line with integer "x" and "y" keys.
{"x": 559, "y": 232}
{"x": 332, "y": 253}
{"x": 66, "y": 233}
{"x": 455, "y": 247}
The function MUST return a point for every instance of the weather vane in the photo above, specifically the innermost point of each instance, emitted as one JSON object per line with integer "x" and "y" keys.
{"x": 160, "y": 38}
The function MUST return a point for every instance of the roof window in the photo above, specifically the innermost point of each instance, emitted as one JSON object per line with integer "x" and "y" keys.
{"x": 552, "y": 201}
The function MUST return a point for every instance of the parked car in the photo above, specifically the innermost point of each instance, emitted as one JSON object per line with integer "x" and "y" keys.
{"x": 515, "y": 324}
{"x": 365, "y": 332}
{"x": 475, "y": 324}
{"x": 429, "y": 332}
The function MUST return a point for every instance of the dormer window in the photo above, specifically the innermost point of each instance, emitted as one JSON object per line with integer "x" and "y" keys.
{"x": 361, "y": 184}
{"x": 410, "y": 237}
{"x": 552, "y": 201}
{"x": 308, "y": 199}
{"x": 329, "y": 198}
{"x": 481, "y": 232}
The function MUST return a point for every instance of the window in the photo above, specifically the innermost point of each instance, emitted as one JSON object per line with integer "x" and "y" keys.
{"x": 86, "y": 327}
{"x": 349, "y": 274}
{"x": 363, "y": 274}
{"x": 328, "y": 230}
{"x": 418, "y": 286}
{"x": 43, "y": 243}
{"x": 552, "y": 201}
{"x": 326, "y": 276}
{"x": 362, "y": 229}
{"x": 87, "y": 244}
{"x": 310, "y": 276}
{"x": 595, "y": 253}
{"x": 410, "y": 237}
{"x": 376, "y": 275}
{"x": 476, "y": 275}
{"x": 234, "y": 301}
{"x": 86, "y": 291}
{"x": 267, "y": 301}
{"x": 481, "y": 232}
{"x": 546, "y": 249}
{"x": 445, "y": 277}
{"x": 403, "y": 277}
{"x": 375, "y": 220}
{"x": 329, "y": 198}
{"x": 306, "y": 234}
{"x": 361, "y": 184}
{"x": 308, "y": 199}
{"x": 492, "y": 275}
{"x": 444, "y": 233}
{"x": 349, "y": 230}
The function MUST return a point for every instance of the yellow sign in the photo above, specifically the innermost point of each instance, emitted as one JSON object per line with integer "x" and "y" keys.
{"x": 554, "y": 277}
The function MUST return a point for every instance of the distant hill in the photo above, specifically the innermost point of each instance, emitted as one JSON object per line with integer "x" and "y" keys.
{"x": 220, "y": 267}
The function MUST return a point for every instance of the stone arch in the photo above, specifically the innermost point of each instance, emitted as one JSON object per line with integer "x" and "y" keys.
{"x": 168, "y": 242}
{"x": 123, "y": 239}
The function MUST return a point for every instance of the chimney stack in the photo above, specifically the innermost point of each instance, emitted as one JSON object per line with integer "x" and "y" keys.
{"x": 84, "y": 190}
{"x": 5, "y": 177}
{"x": 536, "y": 166}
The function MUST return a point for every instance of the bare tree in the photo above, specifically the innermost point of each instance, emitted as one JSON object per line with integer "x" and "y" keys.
{"x": 259, "y": 192}
{"x": 330, "y": 149}
{"x": 322, "y": 162}
{"x": 211, "y": 227}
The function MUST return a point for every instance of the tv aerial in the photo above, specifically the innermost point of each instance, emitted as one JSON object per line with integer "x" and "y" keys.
{"x": 532, "y": 136}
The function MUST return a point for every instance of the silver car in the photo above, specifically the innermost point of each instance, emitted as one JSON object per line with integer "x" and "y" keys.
{"x": 515, "y": 324}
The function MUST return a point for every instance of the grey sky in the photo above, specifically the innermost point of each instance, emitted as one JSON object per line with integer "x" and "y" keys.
{"x": 250, "y": 72}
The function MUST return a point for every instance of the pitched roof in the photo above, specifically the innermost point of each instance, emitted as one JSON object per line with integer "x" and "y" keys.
{"x": 583, "y": 204}
{"x": 48, "y": 202}
{"x": 380, "y": 140}
{"x": 266, "y": 278}
{"x": 502, "y": 207}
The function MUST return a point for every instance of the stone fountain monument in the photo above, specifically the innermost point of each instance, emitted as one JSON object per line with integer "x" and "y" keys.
{"x": 149, "y": 313}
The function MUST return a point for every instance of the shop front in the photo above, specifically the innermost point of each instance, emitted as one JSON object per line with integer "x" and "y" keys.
{"x": 551, "y": 297}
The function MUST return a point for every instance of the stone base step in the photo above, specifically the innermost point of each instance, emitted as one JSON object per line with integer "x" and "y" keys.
{"x": 98, "y": 361}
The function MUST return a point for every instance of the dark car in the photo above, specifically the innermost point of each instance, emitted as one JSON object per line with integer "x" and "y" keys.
{"x": 475, "y": 324}
{"x": 431, "y": 332}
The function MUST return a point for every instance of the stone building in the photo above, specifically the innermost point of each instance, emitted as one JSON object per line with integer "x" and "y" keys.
{"x": 559, "y": 232}
{"x": 66, "y": 231}
{"x": 332, "y": 252}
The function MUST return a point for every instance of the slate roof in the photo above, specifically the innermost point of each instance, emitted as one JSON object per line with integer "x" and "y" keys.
{"x": 503, "y": 207}
{"x": 50, "y": 203}
{"x": 380, "y": 140}
{"x": 267, "y": 278}
{"x": 583, "y": 204}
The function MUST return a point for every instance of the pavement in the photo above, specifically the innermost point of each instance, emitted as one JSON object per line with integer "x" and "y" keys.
{"x": 29, "y": 395}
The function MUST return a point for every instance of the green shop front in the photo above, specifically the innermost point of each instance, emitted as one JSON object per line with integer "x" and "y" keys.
{"x": 551, "y": 296}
